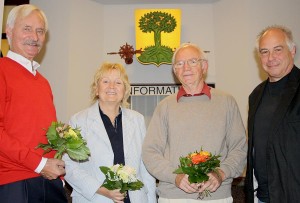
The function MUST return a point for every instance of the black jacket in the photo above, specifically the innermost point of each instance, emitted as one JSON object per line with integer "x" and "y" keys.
{"x": 283, "y": 147}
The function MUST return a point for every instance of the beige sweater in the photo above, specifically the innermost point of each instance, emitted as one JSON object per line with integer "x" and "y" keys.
{"x": 179, "y": 128}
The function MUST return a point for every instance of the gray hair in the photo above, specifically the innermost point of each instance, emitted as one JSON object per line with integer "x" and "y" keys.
{"x": 287, "y": 32}
{"x": 21, "y": 12}
{"x": 184, "y": 45}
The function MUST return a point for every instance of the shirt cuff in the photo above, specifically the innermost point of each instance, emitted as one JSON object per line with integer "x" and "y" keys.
{"x": 41, "y": 165}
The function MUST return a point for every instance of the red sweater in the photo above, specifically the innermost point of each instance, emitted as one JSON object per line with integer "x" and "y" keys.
{"x": 26, "y": 110}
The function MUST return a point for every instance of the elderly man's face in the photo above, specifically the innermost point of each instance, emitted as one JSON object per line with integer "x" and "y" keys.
{"x": 28, "y": 35}
{"x": 187, "y": 75}
{"x": 276, "y": 58}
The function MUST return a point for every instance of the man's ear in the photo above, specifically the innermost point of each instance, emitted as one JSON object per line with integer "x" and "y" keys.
{"x": 8, "y": 32}
{"x": 174, "y": 70}
{"x": 204, "y": 66}
{"x": 293, "y": 51}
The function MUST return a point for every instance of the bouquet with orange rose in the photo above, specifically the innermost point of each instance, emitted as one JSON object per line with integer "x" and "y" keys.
{"x": 197, "y": 165}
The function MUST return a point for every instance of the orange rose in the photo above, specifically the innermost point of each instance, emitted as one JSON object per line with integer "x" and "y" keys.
{"x": 199, "y": 158}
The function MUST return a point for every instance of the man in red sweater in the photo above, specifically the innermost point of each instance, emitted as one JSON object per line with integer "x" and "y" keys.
{"x": 26, "y": 110}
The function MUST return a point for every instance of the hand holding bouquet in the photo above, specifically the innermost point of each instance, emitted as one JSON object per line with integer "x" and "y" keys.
{"x": 65, "y": 139}
{"x": 197, "y": 165}
{"x": 120, "y": 177}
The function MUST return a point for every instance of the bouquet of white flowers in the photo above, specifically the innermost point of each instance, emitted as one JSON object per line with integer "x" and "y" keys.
{"x": 120, "y": 177}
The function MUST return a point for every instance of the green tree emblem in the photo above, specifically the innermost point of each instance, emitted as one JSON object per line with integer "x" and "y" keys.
{"x": 157, "y": 22}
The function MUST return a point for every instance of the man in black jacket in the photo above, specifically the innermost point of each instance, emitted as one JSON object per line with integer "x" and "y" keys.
{"x": 274, "y": 122}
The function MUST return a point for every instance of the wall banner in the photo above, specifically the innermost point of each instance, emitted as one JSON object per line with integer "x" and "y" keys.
{"x": 157, "y": 35}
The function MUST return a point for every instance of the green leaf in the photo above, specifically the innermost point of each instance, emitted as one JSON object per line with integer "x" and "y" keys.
{"x": 104, "y": 169}
{"x": 73, "y": 144}
{"x": 178, "y": 170}
{"x": 79, "y": 154}
{"x": 51, "y": 132}
{"x": 135, "y": 185}
{"x": 43, "y": 146}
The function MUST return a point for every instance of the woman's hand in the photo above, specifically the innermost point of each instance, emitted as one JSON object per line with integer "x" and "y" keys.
{"x": 114, "y": 195}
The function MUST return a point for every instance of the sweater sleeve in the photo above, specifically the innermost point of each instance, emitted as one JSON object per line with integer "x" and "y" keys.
{"x": 154, "y": 148}
{"x": 236, "y": 142}
{"x": 10, "y": 147}
{"x": 149, "y": 180}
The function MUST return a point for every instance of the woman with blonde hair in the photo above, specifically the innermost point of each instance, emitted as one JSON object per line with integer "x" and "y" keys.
{"x": 114, "y": 135}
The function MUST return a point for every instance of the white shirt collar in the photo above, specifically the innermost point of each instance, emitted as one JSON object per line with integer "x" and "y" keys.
{"x": 30, "y": 66}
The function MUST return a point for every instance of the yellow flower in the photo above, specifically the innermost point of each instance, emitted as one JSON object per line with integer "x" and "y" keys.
{"x": 205, "y": 153}
{"x": 71, "y": 133}
{"x": 193, "y": 154}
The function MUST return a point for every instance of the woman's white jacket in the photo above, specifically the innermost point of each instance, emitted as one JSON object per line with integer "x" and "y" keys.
{"x": 86, "y": 177}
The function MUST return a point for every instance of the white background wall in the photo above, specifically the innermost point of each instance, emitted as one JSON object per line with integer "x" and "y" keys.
{"x": 82, "y": 32}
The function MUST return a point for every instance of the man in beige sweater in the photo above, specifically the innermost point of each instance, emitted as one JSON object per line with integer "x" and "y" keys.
{"x": 198, "y": 116}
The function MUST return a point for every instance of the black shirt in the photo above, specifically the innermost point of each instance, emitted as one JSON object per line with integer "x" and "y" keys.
{"x": 115, "y": 134}
{"x": 262, "y": 127}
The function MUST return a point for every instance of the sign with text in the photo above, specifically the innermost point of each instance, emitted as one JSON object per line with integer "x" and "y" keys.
{"x": 159, "y": 89}
{"x": 156, "y": 89}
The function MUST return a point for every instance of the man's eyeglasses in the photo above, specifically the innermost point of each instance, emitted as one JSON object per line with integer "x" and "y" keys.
{"x": 190, "y": 62}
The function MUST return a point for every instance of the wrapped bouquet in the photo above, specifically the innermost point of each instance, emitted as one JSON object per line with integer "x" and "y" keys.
{"x": 65, "y": 139}
{"x": 120, "y": 177}
{"x": 197, "y": 165}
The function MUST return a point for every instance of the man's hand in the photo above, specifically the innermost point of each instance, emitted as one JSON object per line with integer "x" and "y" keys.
{"x": 53, "y": 169}
{"x": 183, "y": 183}
{"x": 214, "y": 181}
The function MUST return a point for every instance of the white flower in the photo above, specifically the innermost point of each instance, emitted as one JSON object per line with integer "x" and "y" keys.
{"x": 120, "y": 177}
{"x": 127, "y": 174}
{"x": 114, "y": 178}
{"x": 115, "y": 168}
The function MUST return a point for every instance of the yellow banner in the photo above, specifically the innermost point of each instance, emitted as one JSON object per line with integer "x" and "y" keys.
{"x": 157, "y": 35}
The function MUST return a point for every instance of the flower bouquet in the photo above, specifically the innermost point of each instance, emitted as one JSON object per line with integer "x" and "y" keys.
{"x": 65, "y": 139}
{"x": 197, "y": 165}
{"x": 120, "y": 177}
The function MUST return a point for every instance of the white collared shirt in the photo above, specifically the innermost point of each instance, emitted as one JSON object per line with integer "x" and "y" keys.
{"x": 31, "y": 66}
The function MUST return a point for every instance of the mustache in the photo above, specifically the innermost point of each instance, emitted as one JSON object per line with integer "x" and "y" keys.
{"x": 32, "y": 43}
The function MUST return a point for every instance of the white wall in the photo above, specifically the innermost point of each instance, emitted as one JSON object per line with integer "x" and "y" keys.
{"x": 73, "y": 52}
{"x": 82, "y": 32}
{"x": 237, "y": 24}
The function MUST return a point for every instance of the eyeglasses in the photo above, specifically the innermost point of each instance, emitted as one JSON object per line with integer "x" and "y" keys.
{"x": 190, "y": 62}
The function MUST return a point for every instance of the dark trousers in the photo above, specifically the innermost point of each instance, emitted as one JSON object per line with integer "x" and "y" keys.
{"x": 33, "y": 190}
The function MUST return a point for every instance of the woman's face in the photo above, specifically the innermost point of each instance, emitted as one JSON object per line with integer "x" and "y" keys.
{"x": 111, "y": 88}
